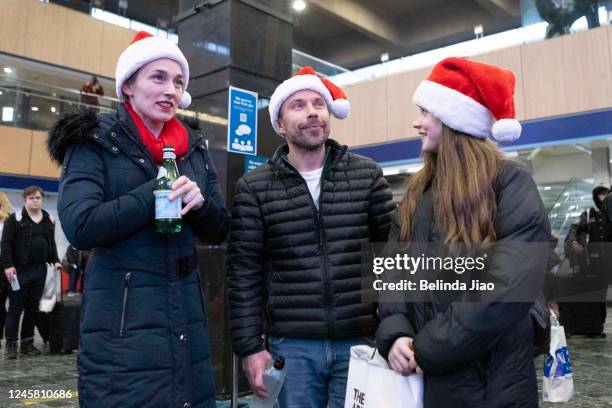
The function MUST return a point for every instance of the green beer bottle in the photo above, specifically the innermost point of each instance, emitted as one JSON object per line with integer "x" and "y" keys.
{"x": 167, "y": 213}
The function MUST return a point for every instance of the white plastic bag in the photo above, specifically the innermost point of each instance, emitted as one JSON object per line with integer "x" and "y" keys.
{"x": 372, "y": 384}
{"x": 52, "y": 289}
{"x": 558, "y": 383}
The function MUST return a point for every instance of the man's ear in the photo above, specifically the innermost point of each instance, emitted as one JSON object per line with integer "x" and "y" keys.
{"x": 280, "y": 129}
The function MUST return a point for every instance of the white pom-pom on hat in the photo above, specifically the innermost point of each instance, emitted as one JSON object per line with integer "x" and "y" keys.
{"x": 506, "y": 130}
{"x": 341, "y": 108}
{"x": 185, "y": 100}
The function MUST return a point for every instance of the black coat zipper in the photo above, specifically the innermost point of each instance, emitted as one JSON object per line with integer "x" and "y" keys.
{"x": 321, "y": 235}
{"x": 126, "y": 288}
{"x": 326, "y": 283}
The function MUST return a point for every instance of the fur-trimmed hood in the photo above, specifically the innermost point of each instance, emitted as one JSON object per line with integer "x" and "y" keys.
{"x": 76, "y": 128}
{"x": 71, "y": 129}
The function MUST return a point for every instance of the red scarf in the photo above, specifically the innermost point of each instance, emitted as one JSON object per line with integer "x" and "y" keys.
{"x": 173, "y": 133}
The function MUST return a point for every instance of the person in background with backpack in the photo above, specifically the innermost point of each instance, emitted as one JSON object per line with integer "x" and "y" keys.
{"x": 28, "y": 244}
{"x": 588, "y": 239}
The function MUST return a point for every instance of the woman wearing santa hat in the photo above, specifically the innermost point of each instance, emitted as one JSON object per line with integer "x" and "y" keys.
{"x": 144, "y": 339}
{"x": 473, "y": 354}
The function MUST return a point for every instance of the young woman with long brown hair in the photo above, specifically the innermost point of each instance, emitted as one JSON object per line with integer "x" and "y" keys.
{"x": 468, "y": 193}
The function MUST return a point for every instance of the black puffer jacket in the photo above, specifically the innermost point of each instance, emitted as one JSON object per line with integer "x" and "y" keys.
{"x": 478, "y": 354}
{"x": 299, "y": 266}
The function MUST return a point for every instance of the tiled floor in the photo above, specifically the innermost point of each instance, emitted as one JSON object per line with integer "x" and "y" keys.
{"x": 592, "y": 359}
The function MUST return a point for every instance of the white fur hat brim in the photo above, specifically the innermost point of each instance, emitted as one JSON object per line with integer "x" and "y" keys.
{"x": 456, "y": 110}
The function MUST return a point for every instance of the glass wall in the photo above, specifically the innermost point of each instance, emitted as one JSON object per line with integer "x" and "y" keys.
{"x": 563, "y": 175}
{"x": 34, "y": 95}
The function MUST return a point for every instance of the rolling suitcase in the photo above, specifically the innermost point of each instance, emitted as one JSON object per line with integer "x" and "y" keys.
{"x": 582, "y": 318}
{"x": 65, "y": 320}
{"x": 65, "y": 324}
{"x": 582, "y": 304}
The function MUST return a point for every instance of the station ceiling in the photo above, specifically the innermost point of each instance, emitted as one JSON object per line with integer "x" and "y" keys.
{"x": 355, "y": 33}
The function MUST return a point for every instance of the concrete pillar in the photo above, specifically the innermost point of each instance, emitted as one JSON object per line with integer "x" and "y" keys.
{"x": 246, "y": 44}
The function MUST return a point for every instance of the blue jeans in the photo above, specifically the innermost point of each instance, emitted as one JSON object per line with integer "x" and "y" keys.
{"x": 316, "y": 371}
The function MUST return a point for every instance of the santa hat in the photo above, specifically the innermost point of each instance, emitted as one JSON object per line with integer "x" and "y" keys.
{"x": 146, "y": 48}
{"x": 471, "y": 97}
{"x": 307, "y": 79}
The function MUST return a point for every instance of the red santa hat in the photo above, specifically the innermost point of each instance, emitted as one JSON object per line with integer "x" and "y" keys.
{"x": 307, "y": 79}
{"x": 146, "y": 48}
{"x": 471, "y": 97}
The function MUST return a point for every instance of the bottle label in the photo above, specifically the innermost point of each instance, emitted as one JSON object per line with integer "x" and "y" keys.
{"x": 164, "y": 208}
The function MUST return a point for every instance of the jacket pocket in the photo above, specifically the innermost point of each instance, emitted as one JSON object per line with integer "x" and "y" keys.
{"x": 124, "y": 307}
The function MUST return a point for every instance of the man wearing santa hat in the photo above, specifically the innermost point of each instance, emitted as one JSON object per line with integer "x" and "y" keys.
{"x": 299, "y": 226}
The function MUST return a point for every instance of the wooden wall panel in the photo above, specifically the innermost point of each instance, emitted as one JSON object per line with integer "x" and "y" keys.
{"x": 45, "y": 28}
{"x": 82, "y": 42}
{"x": 51, "y": 33}
{"x": 13, "y": 27}
{"x": 114, "y": 40}
{"x": 40, "y": 162}
{"x": 567, "y": 74}
{"x": 401, "y": 111}
{"x": 343, "y": 130}
{"x": 561, "y": 76}
{"x": 15, "y": 145}
{"x": 367, "y": 122}
{"x": 509, "y": 58}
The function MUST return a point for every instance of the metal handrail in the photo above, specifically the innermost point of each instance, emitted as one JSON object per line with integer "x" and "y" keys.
{"x": 47, "y": 91}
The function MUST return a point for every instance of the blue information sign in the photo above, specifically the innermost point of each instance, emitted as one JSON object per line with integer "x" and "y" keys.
{"x": 242, "y": 126}
{"x": 251, "y": 162}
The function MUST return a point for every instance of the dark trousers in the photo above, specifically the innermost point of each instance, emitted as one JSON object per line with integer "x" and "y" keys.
{"x": 25, "y": 300}
{"x": 41, "y": 321}
{"x": 4, "y": 290}
{"x": 599, "y": 266}
{"x": 74, "y": 278}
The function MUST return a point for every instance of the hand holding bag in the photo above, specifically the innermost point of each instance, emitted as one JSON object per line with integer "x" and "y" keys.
{"x": 372, "y": 384}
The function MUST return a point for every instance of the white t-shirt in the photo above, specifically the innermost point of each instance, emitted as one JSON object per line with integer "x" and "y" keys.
{"x": 313, "y": 179}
